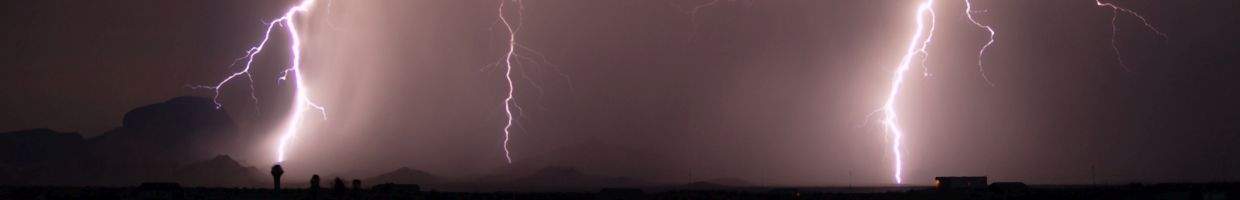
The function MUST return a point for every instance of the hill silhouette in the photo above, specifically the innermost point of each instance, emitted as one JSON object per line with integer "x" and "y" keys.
{"x": 735, "y": 182}
{"x": 183, "y": 129}
{"x": 38, "y": 145}
{"x": 596, "y": 157}
{"x": 404, "y": 175}
{"x": 221, "y": 171}
{"x": 157, "y": 142}
{"x": 569, "y": 179}
{"x": 41, "y": 157}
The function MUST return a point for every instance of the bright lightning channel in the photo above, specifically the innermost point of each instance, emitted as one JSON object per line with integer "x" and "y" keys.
{"x": 517, "y": 54}
{"x": 968, "y": 12}
{"x": 301, "y": 99}
{"x": 921, "y": 38}
{"x": 508, "y": 100}
{"x": 917, "y": 46}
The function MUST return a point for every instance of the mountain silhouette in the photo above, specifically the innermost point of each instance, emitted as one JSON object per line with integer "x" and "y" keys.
{"x": 569, "y": 179}
{"x": 183, "y": 129}
{"x": 596, "y": 157}
{"x": 152, "y": 144}
{"x": 404, "y": 175}
{"x": 735, "y": 182}
{"x": 37, "y": 146}
{"x": 41, "y": 157}
{"x": 221, "y": 171}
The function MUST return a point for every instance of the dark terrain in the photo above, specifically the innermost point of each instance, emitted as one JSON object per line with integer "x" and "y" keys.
{"x": 178, "y": 149}
{"x": 1133, "y": 191}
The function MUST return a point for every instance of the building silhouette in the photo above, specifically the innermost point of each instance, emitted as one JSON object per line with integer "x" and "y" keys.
{"x": 960, "y": 182}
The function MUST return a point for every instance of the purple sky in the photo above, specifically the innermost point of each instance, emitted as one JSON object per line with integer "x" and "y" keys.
{"x": 773, "y": 92}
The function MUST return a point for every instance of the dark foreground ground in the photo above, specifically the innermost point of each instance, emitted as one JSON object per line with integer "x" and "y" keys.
{"x": 1159, "y": 191}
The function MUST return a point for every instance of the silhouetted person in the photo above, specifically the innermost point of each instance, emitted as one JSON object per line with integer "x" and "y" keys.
{"x": 314, "y": 186}
{"x": 338, "y": 187}
{"x": 276, "y": 172}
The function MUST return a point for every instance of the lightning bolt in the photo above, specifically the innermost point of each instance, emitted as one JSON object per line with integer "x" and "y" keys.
{"x": 921, "y": 38}
{"x": 517, "y": 54}
{"x": 692, "y": 12}
{"x": 922, "y": 35}
{"x": 968, "y": 12}
{"x": 301, "y": 100}
{"x": 509, "y": 100}
{"x": 1115, "y": 10}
